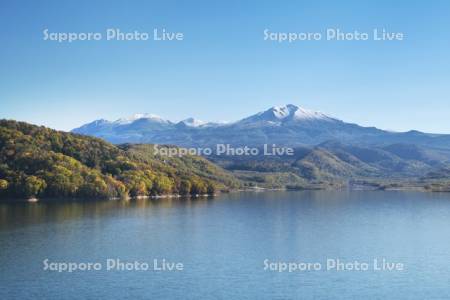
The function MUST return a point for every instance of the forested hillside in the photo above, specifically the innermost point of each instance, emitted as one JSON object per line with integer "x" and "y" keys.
{"x": 41, "y": 162}
{"x": 333, "y": 164}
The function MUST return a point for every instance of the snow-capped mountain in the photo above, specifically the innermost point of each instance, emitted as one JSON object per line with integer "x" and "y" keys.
{"x": 288, "y": 125}
{"x": 191, "y": 122}
{"x": 135, "y": 117}
{"x": 290, "y": 113}
{"x": 286, "y": 113}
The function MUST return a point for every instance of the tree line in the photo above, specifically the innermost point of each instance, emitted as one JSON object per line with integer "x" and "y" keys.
{"x": 36, "y": 161}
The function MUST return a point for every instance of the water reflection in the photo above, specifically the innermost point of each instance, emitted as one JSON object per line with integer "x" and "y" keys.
{"x": 14, "y": 214}
{"x": 223, "y": 243}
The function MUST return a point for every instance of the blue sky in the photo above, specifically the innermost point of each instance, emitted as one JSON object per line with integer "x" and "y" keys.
{"x": 223, "y": 69}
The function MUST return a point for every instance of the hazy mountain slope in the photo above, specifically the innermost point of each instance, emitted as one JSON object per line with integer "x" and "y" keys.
{"x": 321, "y": 164}
{"x": 336, "y": 162}
{"x": 383, "y": 162}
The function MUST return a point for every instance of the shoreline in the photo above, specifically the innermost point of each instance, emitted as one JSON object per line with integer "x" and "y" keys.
{"x": 253, "y": 190}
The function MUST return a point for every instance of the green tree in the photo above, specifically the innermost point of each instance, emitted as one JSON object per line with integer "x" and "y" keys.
{"x": 3, "y": 184}
{"x": 185, "y": 187}
{"x": 163, "y": 185}
{"x": 33, "y": 186}
{"x": 211, "y": 189}
{"x": 94, "y": 186}
{"x": 198, "y": 187}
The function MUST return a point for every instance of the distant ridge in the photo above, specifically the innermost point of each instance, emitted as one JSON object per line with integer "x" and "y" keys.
{"x": 287, "y": 125}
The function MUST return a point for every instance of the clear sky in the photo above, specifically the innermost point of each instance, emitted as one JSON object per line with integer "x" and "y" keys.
{"x": 223, "y": 69}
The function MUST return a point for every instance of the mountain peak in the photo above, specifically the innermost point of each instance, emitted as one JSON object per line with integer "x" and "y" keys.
{"x": 302, "y": 113}
{"x": 191, "y": 122}
{"x": 139, "y": 116}
{"x": 281, "y": 112}
{"x": 288, "y": 125}
{"x": 100, "y": 122}
{"x": 289, "y": 112}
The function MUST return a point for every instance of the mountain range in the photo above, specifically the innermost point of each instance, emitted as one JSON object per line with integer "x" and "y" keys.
{"x": 288, "y": 125}
{"x": 328, "y": 152}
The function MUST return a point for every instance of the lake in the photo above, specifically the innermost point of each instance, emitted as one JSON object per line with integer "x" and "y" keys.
{"x": 234, "y": 246}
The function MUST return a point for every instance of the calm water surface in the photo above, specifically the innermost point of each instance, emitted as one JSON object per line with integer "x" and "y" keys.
{"x": 223, "y": 243}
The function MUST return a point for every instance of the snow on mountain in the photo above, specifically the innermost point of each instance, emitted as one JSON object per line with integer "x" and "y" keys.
{"x": 286, "y": 113}
{"x": 94, "y": 126}
{"x": 272, "y": 116}
{"x": 306, "y": 114}
{"x": 135, "y": 117}
{"x": 191, "y": 122}
{"x": 282, "y": 125}
{"x": 100, "y": 122}
{"x": 282, "y": 112}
